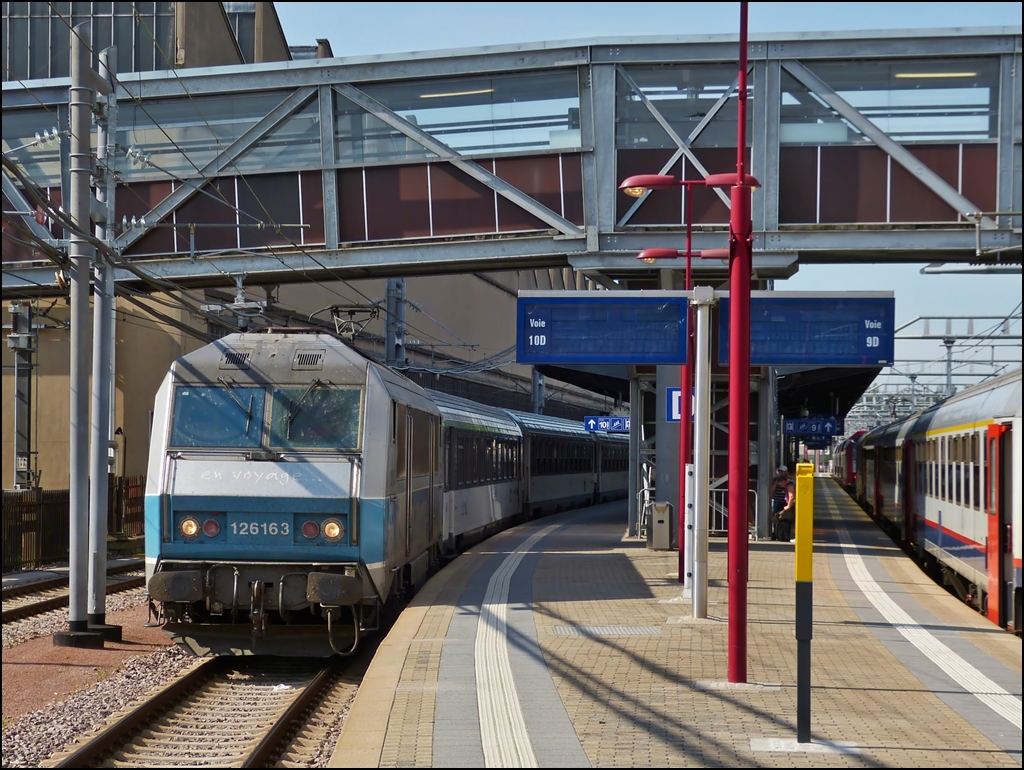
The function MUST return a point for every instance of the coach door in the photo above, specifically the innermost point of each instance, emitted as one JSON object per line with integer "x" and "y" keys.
{"x": 909, "y": 491}
{"x": 995, "y": 507}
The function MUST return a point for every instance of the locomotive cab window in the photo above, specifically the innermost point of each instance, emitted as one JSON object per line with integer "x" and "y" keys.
{"x": 228, "y": 416}
{"x": 318, "y": 416}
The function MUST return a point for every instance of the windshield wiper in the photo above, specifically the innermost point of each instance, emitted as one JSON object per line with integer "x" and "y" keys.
{"x": 229, "y": 384}
{"x": 294, "y": 409}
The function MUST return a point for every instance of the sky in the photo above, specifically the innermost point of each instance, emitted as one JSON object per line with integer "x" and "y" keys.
{"x": 367, "y": 29}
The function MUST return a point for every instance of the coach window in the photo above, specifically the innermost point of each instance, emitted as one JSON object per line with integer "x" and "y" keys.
{"x": 975, "y": 471}
{"x": 420, "y": 443}
{"x": 990, "y": 491}
{"x": 401, "y": 433}
{"x": 943, "y": 460}
{"x": 957, "y": 468}
{"x": 459, "y": 475}
{"x": 950, "y": 468}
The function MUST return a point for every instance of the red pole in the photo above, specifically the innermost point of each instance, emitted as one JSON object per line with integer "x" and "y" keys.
{"x": 685, "y": 388}
{"x": 740, "y": 265}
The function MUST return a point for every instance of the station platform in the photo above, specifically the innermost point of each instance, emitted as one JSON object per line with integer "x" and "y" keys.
{"x": 563, "y": 644}
{"x": 27, "y": 577}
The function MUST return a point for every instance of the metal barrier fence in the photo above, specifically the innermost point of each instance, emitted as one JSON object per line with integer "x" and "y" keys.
{"x": 718, "y": 513}
{"x": 35, "y": 527}
{"x": 36, "y": 521}
{"x": 718, "y": 510}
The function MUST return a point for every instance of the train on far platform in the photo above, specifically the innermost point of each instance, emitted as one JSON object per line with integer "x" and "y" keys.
{"x": 297, "y": 490}
{"x": 946, "y": 485}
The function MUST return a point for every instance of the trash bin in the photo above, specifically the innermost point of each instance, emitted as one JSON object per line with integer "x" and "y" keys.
{"x": 659, "y": 527}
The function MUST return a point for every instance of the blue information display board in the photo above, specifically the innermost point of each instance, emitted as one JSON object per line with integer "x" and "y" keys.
{"x": 816, "y": 331}
{"x": 595, "y": 329}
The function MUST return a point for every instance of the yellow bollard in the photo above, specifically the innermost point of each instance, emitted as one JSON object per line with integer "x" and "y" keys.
{"x": 804, "y": 597}
{"x": 803, "y": 528}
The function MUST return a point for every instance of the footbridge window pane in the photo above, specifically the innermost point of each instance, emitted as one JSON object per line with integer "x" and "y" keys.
{"x": 921, "y": 100}
{"x": 683, "y": 94}
{"x": 182, "y": 135}
{"x": 487, "y": 115}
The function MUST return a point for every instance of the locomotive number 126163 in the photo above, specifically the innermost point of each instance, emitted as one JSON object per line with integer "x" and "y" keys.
{"x": 254, "y": 528}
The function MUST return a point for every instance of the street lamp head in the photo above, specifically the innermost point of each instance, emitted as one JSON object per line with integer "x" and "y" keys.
{"x": 729, "y": 180}
{"x": 637, "y": 186}
{"x": 650, "y": 256}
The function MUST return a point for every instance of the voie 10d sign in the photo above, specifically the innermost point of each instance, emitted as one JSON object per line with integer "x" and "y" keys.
{"x": 586, "y": 327}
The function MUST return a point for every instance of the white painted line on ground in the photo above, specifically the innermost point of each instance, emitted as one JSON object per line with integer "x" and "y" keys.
{"x": 791, "y": 746}
{"x": 962, "y": 672}
{"x": 506, "y": 742}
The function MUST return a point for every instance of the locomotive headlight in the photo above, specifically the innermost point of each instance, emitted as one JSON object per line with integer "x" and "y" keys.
{"x": 211, "y": 528}
{"x": 333, "y": 530}
{"x": 189, "y": 527}
{"x": 310, "y": 529}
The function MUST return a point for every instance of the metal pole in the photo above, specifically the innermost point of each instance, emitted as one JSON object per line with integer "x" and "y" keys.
{"x": 635, "y": 430}
{"x": 394, "y": 327}
{"x": 688, "y": 527}
{"x": 685, "y": 390}
{"x": 80, "y": 256}
{"x": 948, "y": 342}
{"x": 703, "y": 298}
{"x": 740, "y": 265}
{"x": 99, "y": 466}
{"x": 22, "y": 341}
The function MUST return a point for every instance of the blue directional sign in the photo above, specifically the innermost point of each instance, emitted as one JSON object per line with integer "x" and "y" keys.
{"x": 601, "y": 328}
{"x": 673, "y": 406}
{"x": 836, "y": 330}
{"x": 816, "y": 443}
{"x": 811, "y": 426}
{"x": 607, "y": 424}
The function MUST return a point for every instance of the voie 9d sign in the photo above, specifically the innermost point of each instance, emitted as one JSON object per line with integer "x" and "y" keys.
{"x": 816, "y": 329}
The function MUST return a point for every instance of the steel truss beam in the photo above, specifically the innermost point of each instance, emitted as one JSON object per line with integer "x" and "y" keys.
{"x": 682, "y": 144}
{"x": 602, "y": 249}
{"x": 223, "y": 160}
{"x": 473, "y": 169}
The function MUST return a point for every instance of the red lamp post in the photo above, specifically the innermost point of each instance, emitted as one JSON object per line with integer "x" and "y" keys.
{"x": 740, "y": 255}
{"x": 637, "y": 186}
{"x": 741, "y": 229}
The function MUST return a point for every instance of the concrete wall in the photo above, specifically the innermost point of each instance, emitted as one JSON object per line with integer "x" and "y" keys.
{"x": 271, "y": 44}
{"x": 145, "y": 348}
{"x": 204, "y": 37}
{"x": 477, "y": 309}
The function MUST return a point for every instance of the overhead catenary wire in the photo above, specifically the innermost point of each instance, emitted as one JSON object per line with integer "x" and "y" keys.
{"x": 169, "y": 286}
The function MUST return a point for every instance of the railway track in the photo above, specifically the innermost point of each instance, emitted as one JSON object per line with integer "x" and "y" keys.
{"x": 45, "y": 595}
{"x": 226, "y": 712}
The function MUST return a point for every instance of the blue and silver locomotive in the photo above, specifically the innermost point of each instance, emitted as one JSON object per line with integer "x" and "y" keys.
{"x": 296, "y": 489}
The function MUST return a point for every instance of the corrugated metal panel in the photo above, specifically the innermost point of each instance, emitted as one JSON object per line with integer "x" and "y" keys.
{"x": 460, "y": 412}
{"x": 541, "y": 423}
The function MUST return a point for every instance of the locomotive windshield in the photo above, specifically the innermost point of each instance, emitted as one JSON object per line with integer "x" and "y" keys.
{"x": 319, "y": 416}
{"x": 229, "y": 416}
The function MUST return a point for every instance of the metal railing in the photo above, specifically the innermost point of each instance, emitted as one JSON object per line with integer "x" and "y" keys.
{"x": 718, "y": 510}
